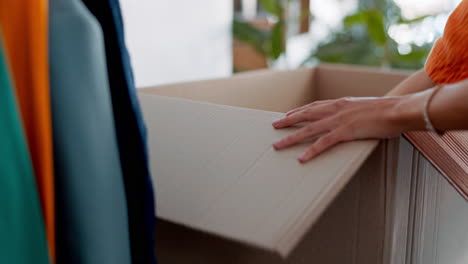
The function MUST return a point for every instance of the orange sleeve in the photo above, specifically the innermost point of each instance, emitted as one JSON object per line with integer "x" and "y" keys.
{"x": 25, "y": 31}
{"x": 448, "y": 61}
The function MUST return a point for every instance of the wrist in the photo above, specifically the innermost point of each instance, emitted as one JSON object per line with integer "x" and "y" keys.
{"x": 408, "y": 113}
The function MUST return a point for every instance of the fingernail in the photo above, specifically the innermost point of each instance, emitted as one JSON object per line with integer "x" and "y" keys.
{"x": 277, "y": 124}
{"x": 277, "y": 144}
{"x": 302, "y": 157}
{"x": 277, "y": 121}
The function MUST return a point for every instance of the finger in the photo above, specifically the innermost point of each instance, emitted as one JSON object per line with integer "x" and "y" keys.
{"x": 322, "y": 144}
{"x": 291, "y": 120}
{"x": 308, "y": 114}
{"x": 304, "y": 133}
{"x": 306, "y": 106}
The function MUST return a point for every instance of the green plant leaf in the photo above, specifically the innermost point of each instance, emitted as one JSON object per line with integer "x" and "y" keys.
{"x": 366, "y": 42}
{"x": 345, "y": 48}
{"x": 277, "y": 40}
{"x": 374, "y": 21}
{"x": 401, "y": 20}
{"x": 251, "y": 35}
{"x": 354, "y": 19}
{"x": 273, "y": 7}
{"x": 376, "y": 27}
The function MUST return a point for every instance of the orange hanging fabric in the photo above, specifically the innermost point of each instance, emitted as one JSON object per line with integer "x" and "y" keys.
{"x": 25, "y": 31}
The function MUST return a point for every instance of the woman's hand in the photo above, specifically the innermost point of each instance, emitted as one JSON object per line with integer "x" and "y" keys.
{"x": 348, "y": 119}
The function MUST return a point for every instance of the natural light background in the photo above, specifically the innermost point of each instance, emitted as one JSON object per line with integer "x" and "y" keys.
{"x": 328, "y": 15}
{"x": 430, "y": 28}
{"x": 172, "y": 41}
{"x": 178, "y": 40}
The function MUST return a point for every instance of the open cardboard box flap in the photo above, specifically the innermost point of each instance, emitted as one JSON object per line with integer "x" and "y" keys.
{"x": 213, "y": 163}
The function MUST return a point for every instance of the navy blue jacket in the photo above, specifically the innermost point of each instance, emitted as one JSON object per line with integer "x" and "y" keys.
{"x": 131, "y": 131}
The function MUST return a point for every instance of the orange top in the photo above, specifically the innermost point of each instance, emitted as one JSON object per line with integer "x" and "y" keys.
{"x": 25, "y": 30}
{"x": 448, "y": 62}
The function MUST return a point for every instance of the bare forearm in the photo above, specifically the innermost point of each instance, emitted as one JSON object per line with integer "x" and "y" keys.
{"x": 448, "y": 109}
{"x": 417, "y": 82}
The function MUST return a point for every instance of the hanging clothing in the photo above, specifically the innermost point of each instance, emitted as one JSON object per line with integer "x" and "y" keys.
{"x": 92, "y": 221}
{"x": 25, "y": 35}
{"x": 131, "y": 131}
{"x": 448, "y": 62}
{"x": 23, "y": 237}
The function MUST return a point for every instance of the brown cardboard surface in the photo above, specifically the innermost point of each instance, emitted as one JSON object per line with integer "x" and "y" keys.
{"x": 349, "y": 232}
{"x": 213, "y": 163}
{"x": 262, "y": 90}
{"x": 217, "y": 172}
{"x": 281, "y": 91}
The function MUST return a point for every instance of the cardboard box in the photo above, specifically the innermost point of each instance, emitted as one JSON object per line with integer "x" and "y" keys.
{"x": 216, "y": 172}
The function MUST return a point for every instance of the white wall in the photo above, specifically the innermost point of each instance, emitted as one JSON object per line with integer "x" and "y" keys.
{"x": 178, "y": 40}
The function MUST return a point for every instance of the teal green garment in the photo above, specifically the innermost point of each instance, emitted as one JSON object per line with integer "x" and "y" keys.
{"x": 22, "y": 231}
{"x": 92, "y": 220}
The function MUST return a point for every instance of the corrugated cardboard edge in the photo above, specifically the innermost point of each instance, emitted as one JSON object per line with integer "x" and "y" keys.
{"x": 269, "y": 72}
{"x": 298, "y": 230}
{"x": 448, "y": 153}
